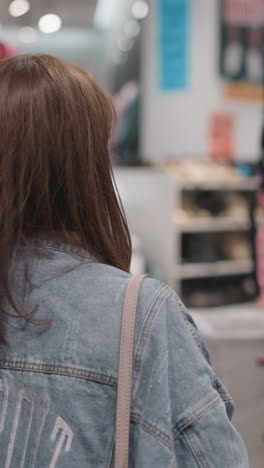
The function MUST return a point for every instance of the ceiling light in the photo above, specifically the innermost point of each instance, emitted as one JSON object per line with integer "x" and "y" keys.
{"x": 140, "y": 9}
{"x": 132, "y": 28}
{"x": 27, "y": 35}
{"x": 18, "y": 8}
{"x": 105, "y": 13}
{"x": 50, "y": 23}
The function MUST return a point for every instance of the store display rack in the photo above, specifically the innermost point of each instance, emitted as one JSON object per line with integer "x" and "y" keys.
{"x": 207, "y": 269}
{"x": 217, "y": 224}
{"x": 205, "y": 225}
{"x": 152, "y": 200}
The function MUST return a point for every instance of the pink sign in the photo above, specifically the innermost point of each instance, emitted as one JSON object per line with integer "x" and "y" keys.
{"x": 221, "y": 137}
{"x": 244, "y": 12}
{"x": 7, "y": 50}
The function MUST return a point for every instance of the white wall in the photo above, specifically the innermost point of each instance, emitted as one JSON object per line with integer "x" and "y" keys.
{"x": 176, "y": 124}
{"x": 84, "y": 47}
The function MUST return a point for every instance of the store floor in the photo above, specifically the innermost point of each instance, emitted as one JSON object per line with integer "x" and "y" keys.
{"x": 235, "y": 336}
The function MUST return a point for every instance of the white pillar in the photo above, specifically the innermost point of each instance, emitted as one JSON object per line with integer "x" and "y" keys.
{"x": 176, "y": 124}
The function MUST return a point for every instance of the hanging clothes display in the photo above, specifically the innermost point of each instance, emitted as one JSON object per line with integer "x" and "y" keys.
{"x": 125, "y": 140}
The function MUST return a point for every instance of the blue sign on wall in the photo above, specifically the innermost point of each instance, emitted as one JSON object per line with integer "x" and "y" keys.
{"x": 173, "y": 18}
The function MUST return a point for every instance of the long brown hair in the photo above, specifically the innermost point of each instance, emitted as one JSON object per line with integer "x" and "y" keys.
{"x": 56, "y": 178}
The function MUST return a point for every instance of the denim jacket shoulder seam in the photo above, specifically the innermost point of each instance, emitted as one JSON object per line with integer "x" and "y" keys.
{"x": 146, "y": 327}
{"x": 148, "y": 427}
{"x": 195, "y": 455}
{"x": 222, "y": 392}
{"x": 190, "y": 327}
{"x": 196, "y": 413}
{"x": 153, "y": 430}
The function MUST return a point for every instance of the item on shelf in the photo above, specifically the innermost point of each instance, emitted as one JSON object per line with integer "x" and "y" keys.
{"x": 199, "y": 248}
{"x": 190, "y": 209}
{"x": 213, "y": 247}
{"x": 212, "y": 202}
{"x": 201, "y": 204}
{"x": 218, "y": 291}
{"x": 245, "y": 169}
{"x": 207, "y": 206}
{"x": 235, "y": 246}
{"x": 236, "y": 207}
{"x": 202, "y": 172}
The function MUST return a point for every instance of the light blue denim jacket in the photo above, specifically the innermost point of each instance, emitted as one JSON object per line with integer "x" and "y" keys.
{"x": 58, "y": 379}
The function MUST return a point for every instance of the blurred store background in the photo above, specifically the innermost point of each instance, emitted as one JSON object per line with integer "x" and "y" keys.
{"x": 187, "y": 79}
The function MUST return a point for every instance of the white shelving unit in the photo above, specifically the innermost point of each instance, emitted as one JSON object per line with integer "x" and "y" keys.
{"x": 217, "y": 224}
{"x": 245, "y": 184}
{"x": 151, "y": 198}
{"x": 221, "y": 224}
{"x": 205, "y": 270}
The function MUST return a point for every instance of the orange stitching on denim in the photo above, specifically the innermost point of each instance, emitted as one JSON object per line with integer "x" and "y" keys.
{"x": 146, "y": 327}
{"x": 155, "y": 431}
{"x": 201, "y": 410}
{"x": 60, "y": 370}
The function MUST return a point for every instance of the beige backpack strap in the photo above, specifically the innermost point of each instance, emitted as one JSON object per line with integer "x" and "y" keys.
{"x": 124, "y": 389}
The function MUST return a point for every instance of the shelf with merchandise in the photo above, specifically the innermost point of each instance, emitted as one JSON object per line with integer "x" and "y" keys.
{"x": 209, "y": 224}
{"x": 219, "y": 268}
{"x": 196, "y": 233}
{"x": 242, "y": 184}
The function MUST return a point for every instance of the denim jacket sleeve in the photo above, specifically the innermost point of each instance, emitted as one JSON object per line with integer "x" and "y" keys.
{"x": 177, "y": 392}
